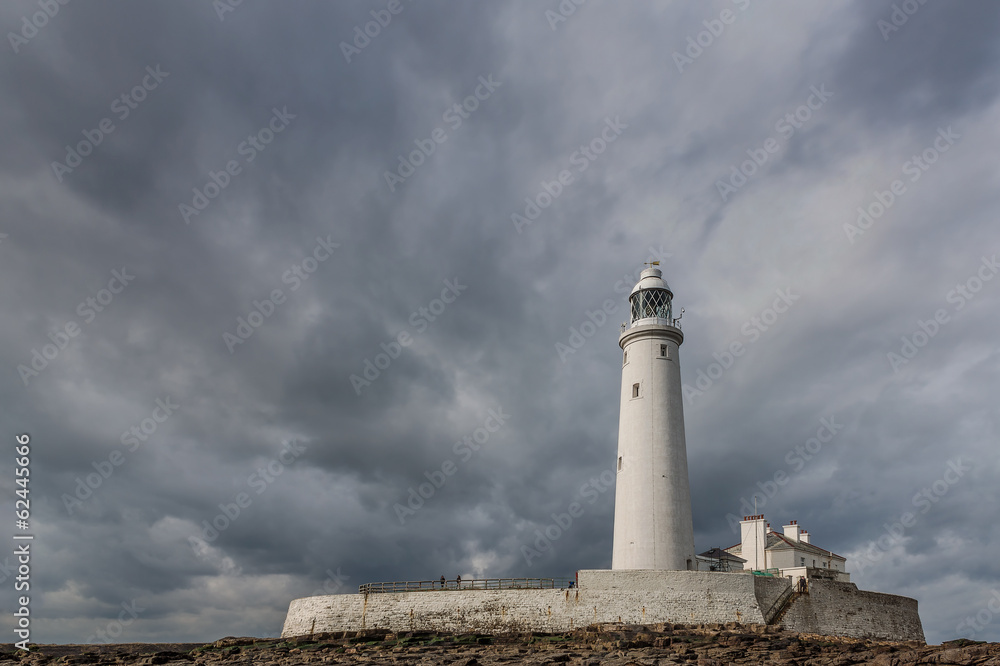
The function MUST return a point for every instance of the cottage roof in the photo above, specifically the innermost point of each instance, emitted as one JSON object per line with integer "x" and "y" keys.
{"x": 777, "y": 541}
{"x": 720, "y": 554}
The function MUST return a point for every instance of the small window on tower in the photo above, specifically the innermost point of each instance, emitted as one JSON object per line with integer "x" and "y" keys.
{"x": 619, "y": 463}
{"x": 625, "y": 358}
{"x": 635, "y": 390}
{"x": 663, "y": 350}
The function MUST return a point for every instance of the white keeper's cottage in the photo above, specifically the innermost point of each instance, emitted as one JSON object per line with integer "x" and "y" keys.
{"x": 789, "y": 554}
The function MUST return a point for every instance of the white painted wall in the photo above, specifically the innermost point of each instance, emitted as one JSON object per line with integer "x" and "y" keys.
{"x": 653, "y": 525}
{"x": 753, "y": 542}
{"x": 791, "y": 531}
{"x": 632, "y": 597}
{"x": 841, "y": 609}
{"x": 783, "y": 558}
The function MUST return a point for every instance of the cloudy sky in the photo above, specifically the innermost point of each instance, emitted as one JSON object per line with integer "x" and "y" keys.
{"x": 258, "y": 262}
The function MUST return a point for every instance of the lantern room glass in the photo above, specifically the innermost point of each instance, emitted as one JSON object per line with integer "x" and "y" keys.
{"x": 647, "y": 303}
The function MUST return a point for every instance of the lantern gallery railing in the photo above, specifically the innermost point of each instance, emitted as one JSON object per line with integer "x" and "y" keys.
{"x": 471, "y": 584}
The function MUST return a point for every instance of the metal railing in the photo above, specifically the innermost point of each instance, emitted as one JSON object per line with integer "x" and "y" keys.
{"x": 779, "y": 604}
{"x": 471, "y": 584}
{"x": 674, "y": 321}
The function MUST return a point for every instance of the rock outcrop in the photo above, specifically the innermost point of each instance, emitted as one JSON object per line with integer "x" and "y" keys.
{"x": 612, "y": 645}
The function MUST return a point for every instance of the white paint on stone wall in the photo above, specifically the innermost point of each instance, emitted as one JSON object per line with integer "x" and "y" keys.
{"x": 841, "y": 609}
{"x": 653, "y": 526}
{"x": 631, "y": 597}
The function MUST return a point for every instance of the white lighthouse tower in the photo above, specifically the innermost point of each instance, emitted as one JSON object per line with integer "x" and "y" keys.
{"x": 653, "y": 526}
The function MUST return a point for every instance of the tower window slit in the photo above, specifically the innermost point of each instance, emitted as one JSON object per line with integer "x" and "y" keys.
{"x": 635, "y": 390}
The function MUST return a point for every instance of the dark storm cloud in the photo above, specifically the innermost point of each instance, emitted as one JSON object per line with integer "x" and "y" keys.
{"x": 934, "y": 63}
{"x": 387, "y": 255}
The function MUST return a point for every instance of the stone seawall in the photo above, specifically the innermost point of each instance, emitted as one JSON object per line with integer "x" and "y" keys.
{"x": 841, "y": 609}
{"x": 631, "y": 597}
{"x": 603, "y": 596}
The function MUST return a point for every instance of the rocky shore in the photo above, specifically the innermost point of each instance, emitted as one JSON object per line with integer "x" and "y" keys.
{"x": 612, "y": 645}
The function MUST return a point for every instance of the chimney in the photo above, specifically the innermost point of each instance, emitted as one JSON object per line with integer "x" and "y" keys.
{"x": 792, "y": 531}
{"x": 753, "y": 540}
{"x": 804, "y": 536}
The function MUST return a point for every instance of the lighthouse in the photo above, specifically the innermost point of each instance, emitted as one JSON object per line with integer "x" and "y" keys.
{"x": 653, "y": 526}
{"x": 653, "y": 543}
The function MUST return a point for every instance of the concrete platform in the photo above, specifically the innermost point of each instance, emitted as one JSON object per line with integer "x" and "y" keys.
{"x": 631, "y": 597}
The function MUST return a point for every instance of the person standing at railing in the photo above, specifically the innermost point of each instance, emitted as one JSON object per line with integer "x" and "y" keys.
{"x": 442, "y": 581}
{"x": 458, "y": 581}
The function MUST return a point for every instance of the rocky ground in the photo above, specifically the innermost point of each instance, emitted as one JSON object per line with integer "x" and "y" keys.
{"x": 611, "y": 645}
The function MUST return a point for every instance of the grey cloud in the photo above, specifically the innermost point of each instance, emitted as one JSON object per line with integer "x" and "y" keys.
{"x": 495, "y": 345}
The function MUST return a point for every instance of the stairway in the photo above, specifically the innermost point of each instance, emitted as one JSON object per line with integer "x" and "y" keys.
{"x": 789, "y": 600}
